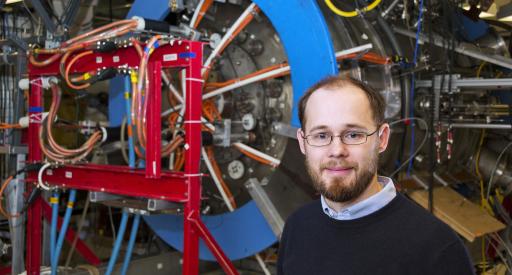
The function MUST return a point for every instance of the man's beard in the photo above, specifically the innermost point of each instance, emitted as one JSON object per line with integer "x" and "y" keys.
{"x": 341, "y": 189}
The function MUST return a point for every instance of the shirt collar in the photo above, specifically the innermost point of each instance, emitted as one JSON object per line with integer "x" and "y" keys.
{"x": 367, "y": 206}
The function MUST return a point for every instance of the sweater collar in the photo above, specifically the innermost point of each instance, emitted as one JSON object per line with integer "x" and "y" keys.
{"x": 367, "y": 206}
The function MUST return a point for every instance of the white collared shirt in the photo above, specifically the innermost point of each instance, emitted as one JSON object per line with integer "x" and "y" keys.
{"x": 367, "y": 206}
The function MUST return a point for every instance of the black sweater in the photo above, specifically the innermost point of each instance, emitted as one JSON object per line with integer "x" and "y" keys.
{"x": 400, "y": 238}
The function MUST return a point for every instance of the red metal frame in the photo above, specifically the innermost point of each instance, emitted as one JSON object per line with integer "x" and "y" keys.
{"x": 152, "y": 183}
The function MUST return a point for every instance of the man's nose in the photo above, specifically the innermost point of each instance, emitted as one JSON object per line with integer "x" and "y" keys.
{"x": 337, "y": 148}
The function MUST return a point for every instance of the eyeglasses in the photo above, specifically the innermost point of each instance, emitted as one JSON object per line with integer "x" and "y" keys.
{"x": 347, "y": 137}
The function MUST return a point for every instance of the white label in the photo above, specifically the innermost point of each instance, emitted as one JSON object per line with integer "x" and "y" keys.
{"x": 170, "y": 57}
{"x": 68, "y": 174}
{"x": 99, "y": 59}
{"x": 49, "y": 172}
{"x": 115, "y": 58}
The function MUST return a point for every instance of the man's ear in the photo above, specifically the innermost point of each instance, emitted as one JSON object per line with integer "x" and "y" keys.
{"x": 384, "y": 134}
{"x": 300, "y": 139}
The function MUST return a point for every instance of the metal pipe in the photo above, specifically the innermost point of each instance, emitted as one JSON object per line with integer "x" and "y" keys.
{"x": 54, "y": 201}
{"x": 462, "y": 48}
{"x": 131, "y": 242}
{"x": 117, "y": 244}
{"x": 481, "y": 126}
{"x": 63, "y": 229}
{"x": 390, "y": 7}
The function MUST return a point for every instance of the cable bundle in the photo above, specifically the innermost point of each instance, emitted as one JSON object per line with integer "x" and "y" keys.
{"x": 48, "y": 144}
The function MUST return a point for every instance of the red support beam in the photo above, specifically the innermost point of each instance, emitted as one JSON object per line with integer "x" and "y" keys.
{"x": 120, "y": 180}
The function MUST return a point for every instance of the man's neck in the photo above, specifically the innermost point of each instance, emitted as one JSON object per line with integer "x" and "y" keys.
{"x": 373, "y": 188}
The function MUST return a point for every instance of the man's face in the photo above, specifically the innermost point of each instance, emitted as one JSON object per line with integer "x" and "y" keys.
{"x": 341, "y": 172}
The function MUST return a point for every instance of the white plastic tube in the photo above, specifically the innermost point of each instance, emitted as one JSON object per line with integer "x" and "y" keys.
{"x": 228, "y": 35}
{"x": 216, "y": 180}
{"x": 271, "y": 159}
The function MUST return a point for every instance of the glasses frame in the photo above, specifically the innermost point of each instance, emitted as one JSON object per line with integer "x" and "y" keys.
{"x": 341, "y": 139}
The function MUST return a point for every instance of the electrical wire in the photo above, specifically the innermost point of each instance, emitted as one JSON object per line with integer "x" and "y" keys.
{"x": 2, "y": 210}
{"x": 493, "y": 171}
{"x": 413, "y": 79}
{"x": 354, "y": 13}
{"x": 81, "y": 223}
{"x": 404, "y": 163}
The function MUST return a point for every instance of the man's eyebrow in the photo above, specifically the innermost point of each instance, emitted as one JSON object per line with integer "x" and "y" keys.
{"x": 319, "y": 127}
{"x": 356, "y": 126}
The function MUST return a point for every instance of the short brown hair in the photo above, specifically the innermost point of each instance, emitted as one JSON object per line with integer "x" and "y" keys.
{"x": 377, "y": 102}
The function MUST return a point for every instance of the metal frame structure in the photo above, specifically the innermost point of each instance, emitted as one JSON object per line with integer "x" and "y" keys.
{"x": 181, "y": 187}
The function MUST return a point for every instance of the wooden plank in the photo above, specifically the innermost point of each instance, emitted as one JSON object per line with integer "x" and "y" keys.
{"x": 465, "y": 217}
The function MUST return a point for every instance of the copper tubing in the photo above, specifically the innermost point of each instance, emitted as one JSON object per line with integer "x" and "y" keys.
{"x": 76, "y": 43}
{"x": 217, "y": 85}
{"x": 68, "y": 68}
{"x": 202, "y": 11}
{"x": 169, "y": 148}
{"x": 368, "y": 57}
{"x": 216, "y": 170}
{"x": 254, "y": 157}
{"x": 55, "y": 151}
{"x": 43, "y": 63}
{"x": 242, "y": 25}
{"x": 2, "y": 190}
{"x": 100, "y": 29}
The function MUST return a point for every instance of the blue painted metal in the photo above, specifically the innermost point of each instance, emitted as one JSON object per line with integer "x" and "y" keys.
{"x": 307, "y": 42}
{"x": 240, "y": 234}
{"x": 115, "y": 101}
{"x": 468, "y": 29}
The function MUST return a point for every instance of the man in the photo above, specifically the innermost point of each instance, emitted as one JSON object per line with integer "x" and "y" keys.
{"x": 360, "y": 225}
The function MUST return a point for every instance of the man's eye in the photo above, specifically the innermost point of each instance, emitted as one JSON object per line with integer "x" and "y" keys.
{"x": 354, "y": 135}
{"x": 321, "y": 136}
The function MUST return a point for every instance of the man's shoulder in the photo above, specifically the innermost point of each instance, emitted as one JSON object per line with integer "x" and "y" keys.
{"x": 417, "y": 218}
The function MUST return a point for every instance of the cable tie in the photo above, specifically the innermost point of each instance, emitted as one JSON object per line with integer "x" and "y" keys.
{"x": 192, "y": 122}
{"x": 194, "y": 175}
{"x": 195, "y": 79}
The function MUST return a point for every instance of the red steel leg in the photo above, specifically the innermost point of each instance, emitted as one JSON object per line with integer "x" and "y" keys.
{"x": 193, "y": 159}
{"x": 223, "y": 260}
{"x": 154, "y": 98}
{"x": 33, "y": 253}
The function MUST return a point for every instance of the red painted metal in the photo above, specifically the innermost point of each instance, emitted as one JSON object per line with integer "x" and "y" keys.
{"x": 5, "y": 270}
{"x": 193, "y": 145}
{"x": 33, "y": 252}
{"x": 154, "y": 138}
{"x": 223, "y": 260}
{"x": 119, "y": 180}
{"x": 121, "y": 58}
{"x": 81, "y": 247}
{"x": 150, "y": 183}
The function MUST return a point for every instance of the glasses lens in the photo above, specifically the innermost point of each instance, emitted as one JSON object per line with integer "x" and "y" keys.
{"x": 321, "y": 139}
{"x": 354, "y": 138}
